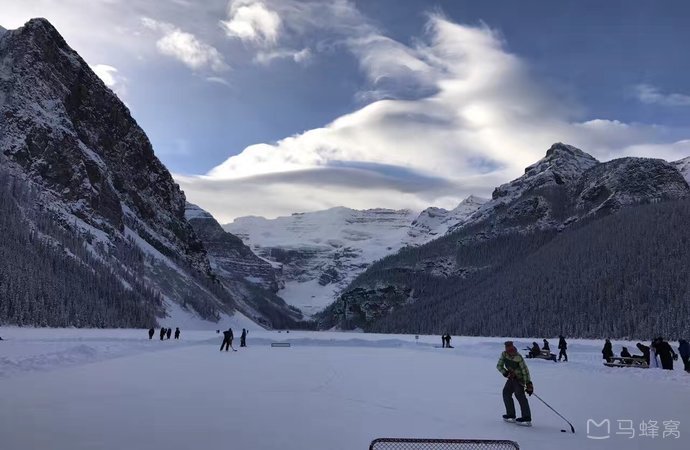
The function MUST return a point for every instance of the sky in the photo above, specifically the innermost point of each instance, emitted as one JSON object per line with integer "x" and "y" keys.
{"x": 278, "y": 106}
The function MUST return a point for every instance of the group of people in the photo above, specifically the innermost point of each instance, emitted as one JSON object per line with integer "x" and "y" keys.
{"x": 165, "y": 333}
{"x": 228, "y": 337}
{"x": 658, "y": 348}
{"x": 535, "y": 351}
{"x": 445, "y": 339}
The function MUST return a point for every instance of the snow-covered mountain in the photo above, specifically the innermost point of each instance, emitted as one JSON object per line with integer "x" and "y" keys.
{"x": 83, "y": 177}
{"x": 683, "y": 166}
{"x": 252, "y": 280}
{"x": 317, "y": 254}
{"x": 501, "y": 259}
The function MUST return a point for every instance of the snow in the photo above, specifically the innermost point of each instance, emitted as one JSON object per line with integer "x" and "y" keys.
{"x": 340, "y": 240}
{"x": 192, "y": 211}
{"x": 683, "y": 167}
{"x": 114, "y": 389}
{"x": 189, "y": 320}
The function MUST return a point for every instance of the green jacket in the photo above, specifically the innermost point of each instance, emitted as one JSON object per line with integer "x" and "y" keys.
{"x": 515, "y": 364}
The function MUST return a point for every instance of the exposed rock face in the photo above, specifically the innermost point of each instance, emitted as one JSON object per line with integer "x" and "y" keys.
{"x": 683, "y": 166}
{"x": 69, "y": 133}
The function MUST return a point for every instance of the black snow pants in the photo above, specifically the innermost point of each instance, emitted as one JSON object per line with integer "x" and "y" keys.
{"x": 562, "y": 354}
{"x": 513, "y": 386}
{"x": 226, "y": 343}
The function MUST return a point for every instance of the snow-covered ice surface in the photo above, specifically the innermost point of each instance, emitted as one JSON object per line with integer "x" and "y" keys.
{"x": 115, "y": 389}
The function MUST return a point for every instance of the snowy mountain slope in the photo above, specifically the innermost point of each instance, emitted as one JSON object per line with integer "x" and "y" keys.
{"x": 683, "y": 167}
{"x": 91, "y": 169}
{"x": 251, "y": 279}
{"x": 440, "y": 282}
{"x": 317, "y": 254}
{"x": 435, "y": 222}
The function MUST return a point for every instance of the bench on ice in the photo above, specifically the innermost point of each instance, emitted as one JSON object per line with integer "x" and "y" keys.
{"x": 543, "y": 354}
{"x": 280, "y": 344}
{"x": 622, "y": 361}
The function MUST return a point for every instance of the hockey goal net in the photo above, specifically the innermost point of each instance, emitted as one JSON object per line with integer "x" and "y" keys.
{"x": 442, "y": 444}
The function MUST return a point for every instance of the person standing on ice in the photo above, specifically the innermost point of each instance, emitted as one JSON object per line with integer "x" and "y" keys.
{"x": 243, "y": 338}
{"x": 562, "y": 346}
{"x": 162, "y": 333}
{"x": 151, "y": 333}
{"x": 177, "y": 332}
{"x": 645, "y": 352}
{"x": 168, "y": 332}
{"x": 513, "y": 367}
{"x": 227, "y": 340}
{"x": 684, "y": 351}
{"x": 607, "y": 351}
{"x": 666, "y": 354}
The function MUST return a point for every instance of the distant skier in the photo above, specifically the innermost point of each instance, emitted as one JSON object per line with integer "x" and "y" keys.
{"x": 666, "y": 354}
{"x": 243, "y": 338}
{"x": 562, "y": 346}
{"x": 227, "y": 340}
{"x": 168, "y": 332}
{"x": 513, "y": 367}
{"x": 684, "y": 351}
{"x": 645, "y": 352}
{"x": 151, "y": 333}
{"x": 607, "y": 351}
{"x": 177, "y": 332}
{"x": 162, "y": 333}
{"x": 546, "y": 346}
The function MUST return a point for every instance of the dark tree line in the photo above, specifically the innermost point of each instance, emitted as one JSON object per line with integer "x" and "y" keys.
{"x": 623, "y": 275}
{"x": 48, "y": 276}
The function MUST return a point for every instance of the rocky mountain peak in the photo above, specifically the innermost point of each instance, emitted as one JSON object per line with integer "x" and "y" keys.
{"x": 563, "y": 164}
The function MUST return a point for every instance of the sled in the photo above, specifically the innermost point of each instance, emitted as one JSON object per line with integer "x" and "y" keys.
{"x": 543, "y": 354}
{"x": 620, "y": 361}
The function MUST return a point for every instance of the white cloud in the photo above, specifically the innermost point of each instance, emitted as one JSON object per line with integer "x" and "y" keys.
{"x": 481, "y": 119}
{"x": 253, "y": 22}
{"x": 186, "y": 47}
{"x": 112, "y": 78}
{"x": 298, "y": 56}
{"x": 653, "y": 96}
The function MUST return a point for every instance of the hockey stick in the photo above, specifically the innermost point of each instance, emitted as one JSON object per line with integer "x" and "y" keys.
{"x": 572, "y": 428}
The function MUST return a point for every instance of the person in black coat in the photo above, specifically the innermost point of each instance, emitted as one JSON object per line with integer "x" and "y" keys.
{"x": 535, "y": 350}
{"x": 684, "y": 351}
{"x": 607, "y": 351}
{"x": 443, "y": 341}
{"x": 645, "y": 352}
{"x": 168, "y": 332}
{"x": 177, "y": 332}
{"x": 666, "y": 354}
{"x": 227, "y": 340}
{"x": 562, "y": 346}
{"x": 546, "y": 346}
{"x": 243, "y": 338}
{"x": 151, "y": 333}
{"x": 626, "y": 354}
{"x": 162, "y": 333}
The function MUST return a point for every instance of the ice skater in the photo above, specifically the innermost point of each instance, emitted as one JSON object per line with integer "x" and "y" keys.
{"x": 243, "y": 338}
{"x": 151, "y": 333}
{"x": 177, "y": 332}
{"x": 607, "y": 351}
{"x": 227, "y": 340}
{"x": 168, "y": 332}
{"x": 512, "y": 366}
{"x": 162, "y": 333}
